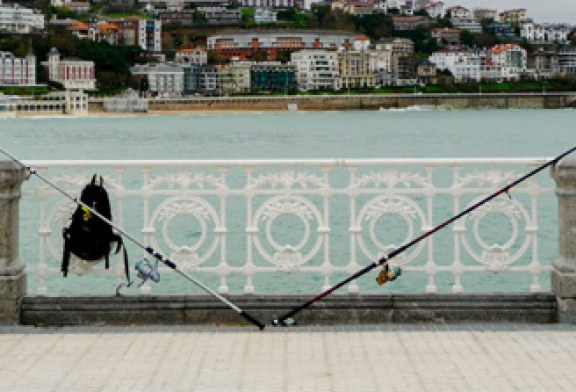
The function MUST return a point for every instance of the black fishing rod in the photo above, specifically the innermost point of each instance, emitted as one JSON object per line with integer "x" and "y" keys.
{"x": 144, "y": 272}
{"x": 287, "y": 319}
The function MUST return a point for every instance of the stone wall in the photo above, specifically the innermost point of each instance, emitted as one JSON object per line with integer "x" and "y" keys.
{"x": 359, "y": 102}
{"x": 336, "y": 309}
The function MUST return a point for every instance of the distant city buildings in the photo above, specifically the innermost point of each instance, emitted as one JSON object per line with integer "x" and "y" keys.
{"x": 238, "y": 61}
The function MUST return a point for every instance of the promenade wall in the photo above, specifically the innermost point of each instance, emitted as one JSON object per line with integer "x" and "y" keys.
{"x": 358, "y": 102}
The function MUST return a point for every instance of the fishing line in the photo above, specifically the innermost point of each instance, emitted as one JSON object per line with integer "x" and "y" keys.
{"x": 145, "y": 271}
{"x": 287, "y": 319}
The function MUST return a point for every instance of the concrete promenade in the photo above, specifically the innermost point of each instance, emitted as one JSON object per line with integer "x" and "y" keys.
{"x": 385, "y": 357}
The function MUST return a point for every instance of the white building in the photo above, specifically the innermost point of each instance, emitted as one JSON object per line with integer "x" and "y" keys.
{"x": 20, "y": 20}
{"x": 458, "y": 12}
{"x": 316, "y": 69}
{"x": 545, "y": 33}
{"x": 511, "y": 59}
{"x": 434, "y": 9}
{"x": 73, "y": 74}
{"x": 267, "y": 3}
{"x": 464, "y": 65}
{"x": 15, "y": 71}
{"x": 164, "y": 79}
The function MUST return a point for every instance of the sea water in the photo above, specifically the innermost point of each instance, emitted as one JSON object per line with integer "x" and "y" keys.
{"x": 420, "y": 133}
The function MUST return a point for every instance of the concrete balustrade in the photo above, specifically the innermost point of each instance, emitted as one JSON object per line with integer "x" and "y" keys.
{"x": 16, "y": 307}
{"x": 12, "y": 270}
{"x": 564, "y": 267}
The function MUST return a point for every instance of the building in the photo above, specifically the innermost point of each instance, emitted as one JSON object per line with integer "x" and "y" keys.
{"x": 273, "y": 77}
{"x": 244, "y": 44}
{"x": 185, "y": 17}
{"x": 235, "y": 79}
{"x": 545, "y": 33}
{"x": 73, "y": 74}
{"x": 19, "y": 20}
{"x": 163, "y": 79}
{"x": 197, "y": 56}
{"x": 316, "y": 69}
{"x": 145, "y": 33}
{"x": 511, "y": 59}
{"x": 354, "y": 69}
{"x": 402, "y": 65}
{"x": 481, "y": 14}
{"x": 458, "y": 12}
{"x": 545, "y": 63}
{"x": 464, "y": 65}
{"x": 267, "y": 3}
{"x": 469, "y": 24}
{"x": 515, "y": 17}
{"x": 15, "y": 71}
{"x": 434, "y": 9}
{"x": 501, "y": 30}
{"x": 221, "y": 16}
{"x": 446, "y": 36}
{"x": 407, "y": 23}
{"x": 567, "y": 60}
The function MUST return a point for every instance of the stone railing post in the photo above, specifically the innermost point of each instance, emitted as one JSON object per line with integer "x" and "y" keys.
{"x": 564, "y": 267}
{"x": 12, "y": 270}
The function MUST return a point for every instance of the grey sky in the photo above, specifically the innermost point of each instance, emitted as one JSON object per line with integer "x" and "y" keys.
{"x": 541, "y": 11}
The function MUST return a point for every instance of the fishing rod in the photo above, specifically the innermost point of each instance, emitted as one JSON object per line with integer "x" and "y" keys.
{"x": 287, "y": 319}
{"x": 145, "y": 271}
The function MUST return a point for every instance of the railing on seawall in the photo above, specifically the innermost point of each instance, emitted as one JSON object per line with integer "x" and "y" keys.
{"x": 299, "y": 226}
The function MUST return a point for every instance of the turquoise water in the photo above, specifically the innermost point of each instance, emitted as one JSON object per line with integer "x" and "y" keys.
{"x": 380, "y": 134}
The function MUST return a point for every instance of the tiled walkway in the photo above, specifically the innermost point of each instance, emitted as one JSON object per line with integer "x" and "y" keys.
{"x": 461, "y": 357}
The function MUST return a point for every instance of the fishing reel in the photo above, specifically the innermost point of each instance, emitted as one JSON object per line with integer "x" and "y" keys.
{"x": 388, "y": 274}
{"x": 147, "y": 271}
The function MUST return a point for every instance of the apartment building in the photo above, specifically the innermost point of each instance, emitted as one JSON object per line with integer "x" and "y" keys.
{"x": 458, "y": 12}
{"x": 20, "y": 20}
{"x": 316, "y": 69}
{"x": 145, "y": 33}
{"x": 242, "y": 44}
{"x": 515, "y": 17}
{"x": 511, "y": 59}
{"x": 434, "y": 9}
{"x": 567, "y": 60}
{"x": 463, "y": 64}
{"x": 16, "y": 71}
{"x": 354, "y": 69}
{"x": 267, "y": 3}
{"x": 545, "y": 33}
{"x": 163, "y": 79}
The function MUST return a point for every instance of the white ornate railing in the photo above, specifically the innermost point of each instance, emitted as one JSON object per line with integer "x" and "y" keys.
{"x": 302, "y": 225}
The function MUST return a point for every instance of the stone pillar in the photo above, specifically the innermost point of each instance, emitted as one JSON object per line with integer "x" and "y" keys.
{"x": 564, "y": 267}
{"x": 12, "y": 270}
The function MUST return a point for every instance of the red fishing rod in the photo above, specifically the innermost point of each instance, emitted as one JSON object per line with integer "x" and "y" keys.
{"x": 287, "y": 319}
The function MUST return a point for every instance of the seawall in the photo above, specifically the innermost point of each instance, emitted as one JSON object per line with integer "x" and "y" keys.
{"x": 358, "y": 102}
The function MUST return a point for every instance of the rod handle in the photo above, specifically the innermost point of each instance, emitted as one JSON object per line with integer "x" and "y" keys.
{"x": 248, "y": 317}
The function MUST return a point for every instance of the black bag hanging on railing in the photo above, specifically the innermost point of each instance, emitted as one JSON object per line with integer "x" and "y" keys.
{"x": 88, "y": 236}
